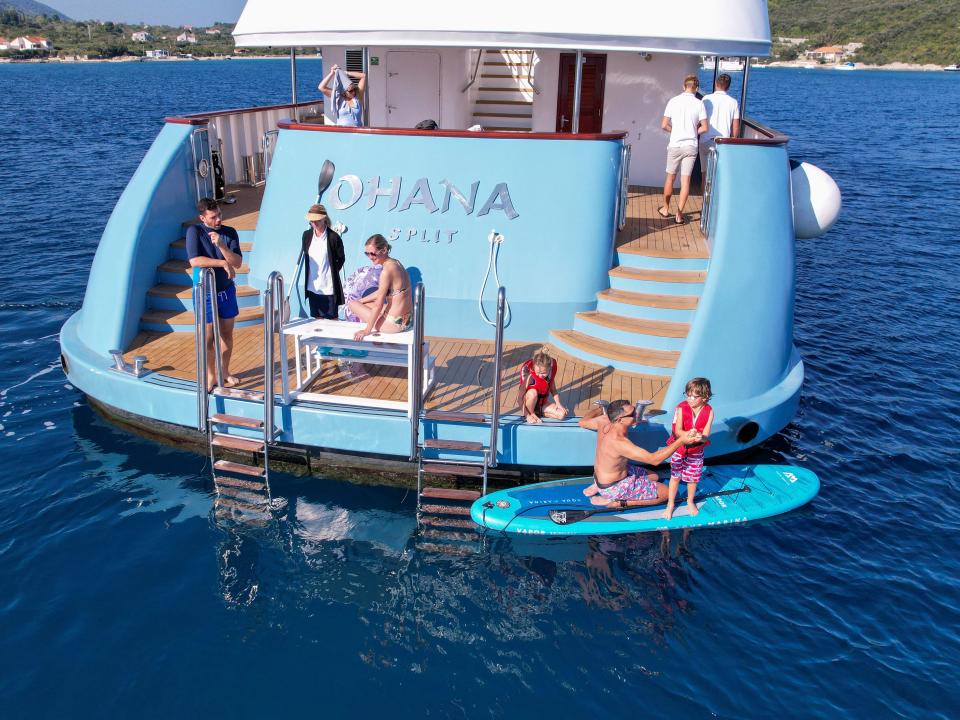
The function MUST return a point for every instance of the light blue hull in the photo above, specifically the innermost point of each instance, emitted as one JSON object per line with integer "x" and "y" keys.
{"x": 734, "y": 495}
{"x": 740, "y": 335}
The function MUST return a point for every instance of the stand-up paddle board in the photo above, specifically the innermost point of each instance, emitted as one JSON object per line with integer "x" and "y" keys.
{"x": 726, "y": 494}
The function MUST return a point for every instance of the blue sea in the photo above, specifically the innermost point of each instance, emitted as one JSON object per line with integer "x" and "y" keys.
{"x": 121, "y": 598}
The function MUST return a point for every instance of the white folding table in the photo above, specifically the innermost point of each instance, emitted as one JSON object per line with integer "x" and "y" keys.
{"x": 333, "y": 339}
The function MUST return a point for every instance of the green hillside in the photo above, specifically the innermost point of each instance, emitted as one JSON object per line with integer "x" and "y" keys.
{"x": 915, "y": 31}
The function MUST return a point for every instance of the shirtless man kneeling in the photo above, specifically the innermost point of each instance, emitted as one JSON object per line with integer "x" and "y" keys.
{"x": 616, "y": 479}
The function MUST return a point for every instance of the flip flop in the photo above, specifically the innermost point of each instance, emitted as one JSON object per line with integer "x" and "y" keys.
{"x": 662, "y": 214}
{"x": 680, "y": 219}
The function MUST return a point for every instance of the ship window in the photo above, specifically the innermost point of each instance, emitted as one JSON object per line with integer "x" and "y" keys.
{"x": 354, "y": 61}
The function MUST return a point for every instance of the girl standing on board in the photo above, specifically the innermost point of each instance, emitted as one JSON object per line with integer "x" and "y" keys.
{"x": 345, "y": 95}
{"x": 390, "y": 308}
{"x": 687, "y": 461}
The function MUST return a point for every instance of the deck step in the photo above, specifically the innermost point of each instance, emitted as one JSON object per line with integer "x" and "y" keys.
{"x": 609, "y": 351}
{"x": 232, "y": 493}
{"x": 449, "y": 493}
{"x": 226, "y": 503}
{"x": 181, "y": 244}
{"x": 447, "y": 535}
{"x": 440, "y": 468}
{"x": 440, "y": 548}
{"x": 233, "y": 442}
{"x": 221, "y": 481}
{"x": 238, "y": 394}
{"x": 449, "y": 416}
{"x": 667, "y": 276}
{"x": 183, "y": 266}
{"x": 237, "y": 421}
{"x": 160, "y": 320}
{"x": 239, "y": 468}
{"x": 665, "y": 302}
{"x": 185, "y": 292}
{"x": 450, "y": 522}
{"x": 660, "y": 328}
{"x": 445, "y": 509}
{"x": 466, "y": 445}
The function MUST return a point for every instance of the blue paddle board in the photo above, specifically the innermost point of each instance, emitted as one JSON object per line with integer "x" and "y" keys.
{"x": 726, "y": 495}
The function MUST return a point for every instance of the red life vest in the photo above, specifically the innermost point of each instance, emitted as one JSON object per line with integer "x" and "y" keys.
{"x": 530, "y": 379}
{"x": 686, "y": 417}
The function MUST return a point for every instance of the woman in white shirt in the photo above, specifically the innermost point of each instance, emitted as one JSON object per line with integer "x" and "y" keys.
{"x": 323, "y": 251}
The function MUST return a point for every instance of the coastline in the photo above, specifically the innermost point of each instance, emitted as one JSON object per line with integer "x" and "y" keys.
{"x": 901, "y": 66}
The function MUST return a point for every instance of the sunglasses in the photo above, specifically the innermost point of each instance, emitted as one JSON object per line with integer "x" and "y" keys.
{"x": 372, "y": 254}
{"x": 630, "y": 415}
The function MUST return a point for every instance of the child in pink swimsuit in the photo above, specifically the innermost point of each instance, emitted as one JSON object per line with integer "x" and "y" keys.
{"x": 687, "y": 462}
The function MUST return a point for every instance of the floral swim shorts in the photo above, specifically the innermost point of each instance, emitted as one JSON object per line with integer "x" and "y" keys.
{"x": 637, "y": 485}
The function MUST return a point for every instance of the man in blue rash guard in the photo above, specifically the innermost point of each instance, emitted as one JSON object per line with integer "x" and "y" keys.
{"x": 212, "y": 244}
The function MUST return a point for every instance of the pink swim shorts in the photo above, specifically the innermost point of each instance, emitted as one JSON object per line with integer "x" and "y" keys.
{"x": 637, "y": 485}
{"x": 687, "y": 467}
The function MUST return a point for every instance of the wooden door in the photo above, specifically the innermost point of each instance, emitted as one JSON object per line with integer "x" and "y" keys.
{"x": 413, "y": 87}
{"x": 591, "y": 93}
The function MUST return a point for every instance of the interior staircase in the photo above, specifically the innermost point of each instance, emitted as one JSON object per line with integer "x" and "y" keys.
{"x": 642, "y": 321}
{"x": 170, "y": 301}
{"x": 504, "y": 98}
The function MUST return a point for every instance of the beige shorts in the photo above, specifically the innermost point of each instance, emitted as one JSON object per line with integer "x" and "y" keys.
{"x": 681, "y": 158}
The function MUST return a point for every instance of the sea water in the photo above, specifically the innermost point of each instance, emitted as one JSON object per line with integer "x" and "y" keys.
{"x": 121, "y": 598}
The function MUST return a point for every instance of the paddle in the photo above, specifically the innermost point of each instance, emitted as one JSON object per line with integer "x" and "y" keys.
{"x": 326, "y": 177}
{"x": 566, "y": 517}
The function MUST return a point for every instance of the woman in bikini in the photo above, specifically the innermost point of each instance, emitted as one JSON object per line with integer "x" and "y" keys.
{"x": 390, "y": 308}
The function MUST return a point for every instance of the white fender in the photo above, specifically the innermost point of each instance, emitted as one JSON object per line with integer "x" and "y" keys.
{"x": 816, "y": 200}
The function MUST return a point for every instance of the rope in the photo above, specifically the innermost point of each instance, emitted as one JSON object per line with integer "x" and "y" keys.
{"x": 495, "y": 239}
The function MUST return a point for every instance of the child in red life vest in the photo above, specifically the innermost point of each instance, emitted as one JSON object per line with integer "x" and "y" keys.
{"x": 537, "y": 382}
{"x": 687, "y": 463}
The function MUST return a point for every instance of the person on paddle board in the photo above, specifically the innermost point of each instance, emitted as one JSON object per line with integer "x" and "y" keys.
{"x": 616, "y": 478}
{"x": 693, "y": 413}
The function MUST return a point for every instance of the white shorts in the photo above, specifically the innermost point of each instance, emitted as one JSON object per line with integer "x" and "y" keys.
{"x": 681, "y": 159}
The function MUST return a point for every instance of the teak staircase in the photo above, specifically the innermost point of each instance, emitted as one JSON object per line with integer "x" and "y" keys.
{"x": 504, "y": 100}
{"x": 170, "y": 301}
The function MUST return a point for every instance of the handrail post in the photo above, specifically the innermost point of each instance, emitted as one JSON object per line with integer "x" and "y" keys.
{"x": 416, "y": 362}
{"x": 476, "y": 67}
{"x": 293, "y": 84}
{"x": 497, "y": 361}
{"x": 743, "y": 92}
{"x": 209, "y": 281}
{"x": 577, "y": 91}
{"x": 709, "y": 176}
{"x": 200, "y": 332}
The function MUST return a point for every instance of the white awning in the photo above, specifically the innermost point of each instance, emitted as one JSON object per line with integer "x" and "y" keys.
{"x": 705, "y": 27}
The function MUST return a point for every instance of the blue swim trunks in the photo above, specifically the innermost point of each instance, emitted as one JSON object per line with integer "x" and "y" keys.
{"x": 226, "y": 304}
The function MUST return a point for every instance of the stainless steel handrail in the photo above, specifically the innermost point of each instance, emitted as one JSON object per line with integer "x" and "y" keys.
{"x": 497, "y": 380}
{"x": 271, "y": 322}
{"x": 708, "y": 189}
{"x": 625, "y": 153}
{"x": 268, "y": 143}
{"x": 476, "y": 67}
{"x": 206, "y": 288}
{"x": 536, "y": 90}
{"x": 417, "y": 368}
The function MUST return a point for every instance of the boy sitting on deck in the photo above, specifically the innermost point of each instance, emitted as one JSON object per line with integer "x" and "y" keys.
{"x": 687, "y": 462}
{"x": 538, "y": 381}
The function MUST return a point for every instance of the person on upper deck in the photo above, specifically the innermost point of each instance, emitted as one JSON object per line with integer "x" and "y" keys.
{"x": 618, "y": 478}
{"x": 212, "y": 244}
{"x": 344, "y": 94}
{"x": 723, "y": 118}
{"x": 685, "y": 118}
{"x": 323, "y": 250}
{"x": 390, "y": 308}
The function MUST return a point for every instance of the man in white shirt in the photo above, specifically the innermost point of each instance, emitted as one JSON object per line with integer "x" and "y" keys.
{"x": 723, "y": 116}
{"x": 685, "y": 118}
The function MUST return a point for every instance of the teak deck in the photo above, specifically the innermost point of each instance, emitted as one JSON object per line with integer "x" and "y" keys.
{"x": 463, "y": 367}
{"x": 464, "y": 370}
